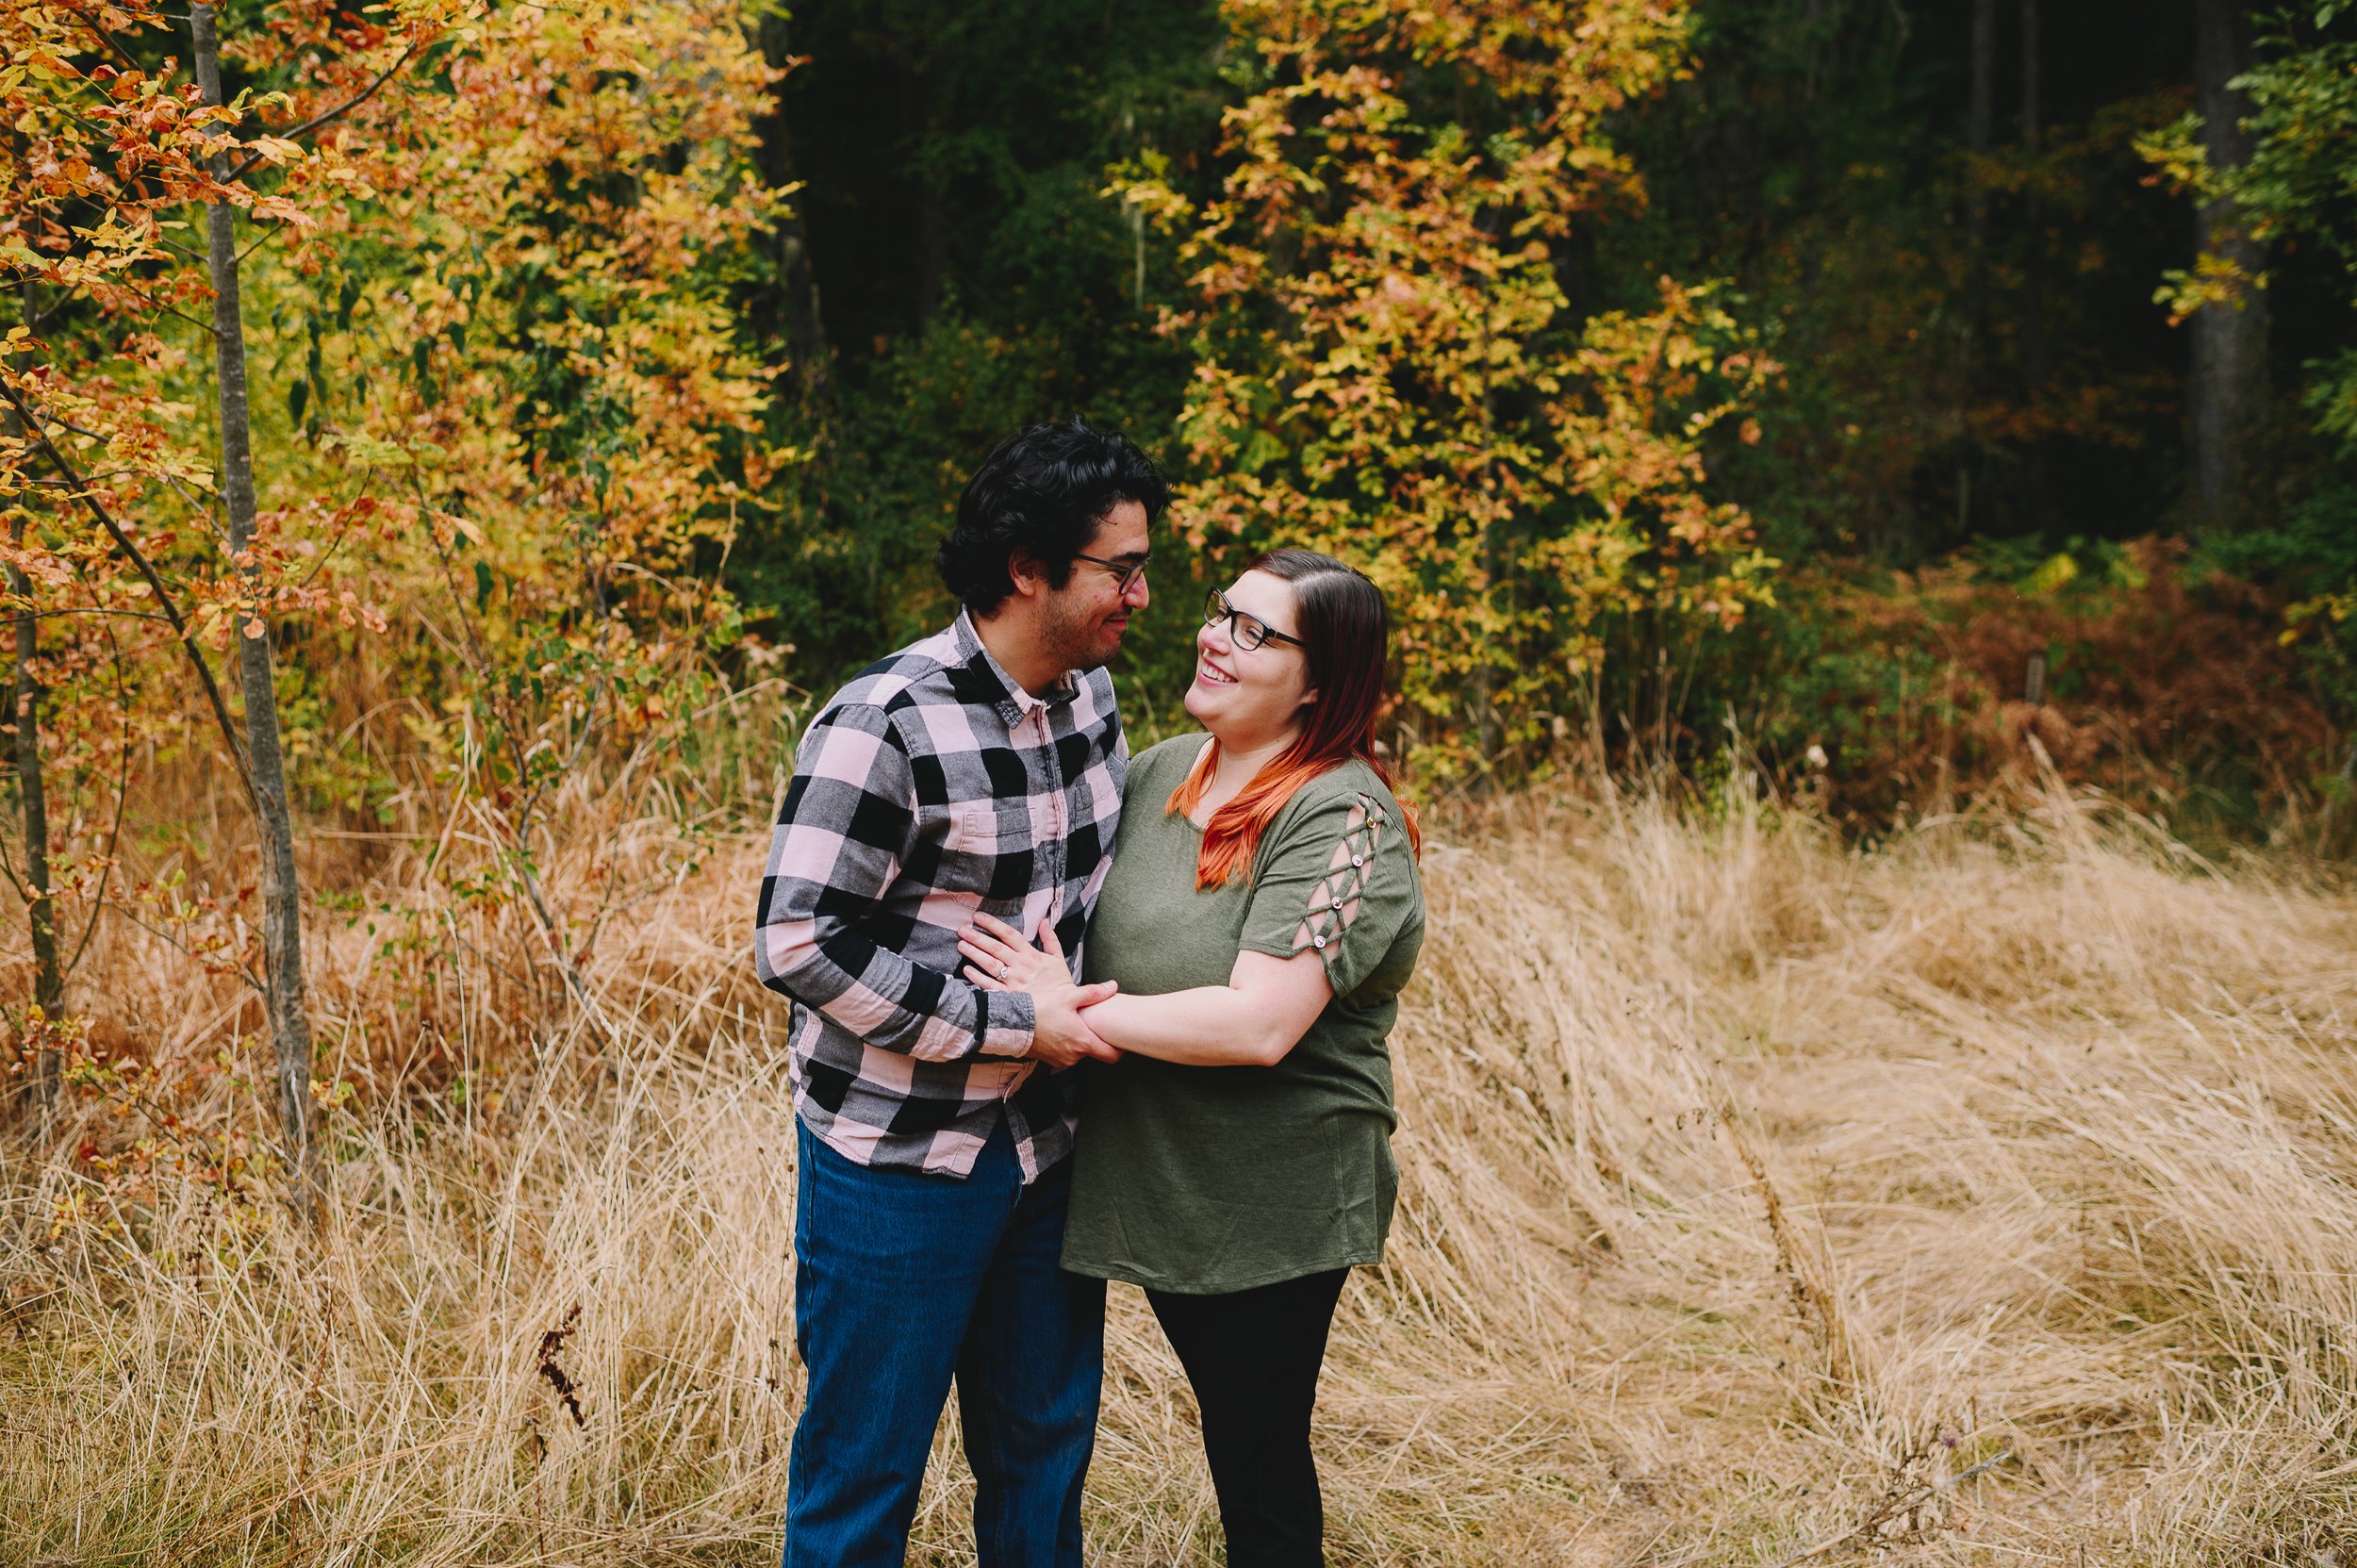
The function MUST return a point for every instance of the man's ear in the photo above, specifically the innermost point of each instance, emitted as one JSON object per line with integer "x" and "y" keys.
{"x": 1025, "y": 571}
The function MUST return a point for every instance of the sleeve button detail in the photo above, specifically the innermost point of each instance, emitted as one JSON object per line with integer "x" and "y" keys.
{"x": 1320, "y": 941}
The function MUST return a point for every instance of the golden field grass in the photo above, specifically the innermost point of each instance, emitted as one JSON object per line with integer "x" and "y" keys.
{"x": 1755, "y": 1188}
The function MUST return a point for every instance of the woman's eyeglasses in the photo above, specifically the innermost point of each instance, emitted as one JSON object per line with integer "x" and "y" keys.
{"x": 1126, "y": 571}
{"x": 1244, "y": 630}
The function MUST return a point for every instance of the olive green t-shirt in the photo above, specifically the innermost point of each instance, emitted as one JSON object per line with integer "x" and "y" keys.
{"x": 1203, "y": 1180}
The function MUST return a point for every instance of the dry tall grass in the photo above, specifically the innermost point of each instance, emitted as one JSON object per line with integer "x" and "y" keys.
{"x": 1754, "y": 1189}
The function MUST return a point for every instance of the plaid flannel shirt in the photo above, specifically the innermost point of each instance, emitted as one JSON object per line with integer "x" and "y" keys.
{"x": 931, "y": 787}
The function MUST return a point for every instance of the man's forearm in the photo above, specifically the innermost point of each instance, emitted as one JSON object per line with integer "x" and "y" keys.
{"x": 846, "y": 821}
{"x": 889, "y": 1002}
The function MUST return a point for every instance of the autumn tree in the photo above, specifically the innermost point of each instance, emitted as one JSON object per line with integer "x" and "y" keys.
{"x": 2272, "y": 165}
{"x": 477, "y": 413}
{"x": 567, "y": 422}
{"x": 1389, "y": 365}
{"x": 109, "y": 159}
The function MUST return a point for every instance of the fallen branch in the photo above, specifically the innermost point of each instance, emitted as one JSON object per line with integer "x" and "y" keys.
{"x": 1894, "y": 1506}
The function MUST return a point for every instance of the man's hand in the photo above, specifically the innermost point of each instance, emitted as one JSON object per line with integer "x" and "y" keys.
{"x": 1060, "y": 1036}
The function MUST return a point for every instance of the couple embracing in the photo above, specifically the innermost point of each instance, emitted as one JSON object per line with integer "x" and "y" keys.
{"x": 1062, "y": 1016}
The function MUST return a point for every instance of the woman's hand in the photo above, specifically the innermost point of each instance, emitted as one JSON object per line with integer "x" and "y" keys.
{"x": 997, "y": 958}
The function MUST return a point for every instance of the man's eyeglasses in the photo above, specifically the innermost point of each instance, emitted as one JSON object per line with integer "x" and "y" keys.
{"x": 1246, "y": 630}
{"x": 1129, "y": 572}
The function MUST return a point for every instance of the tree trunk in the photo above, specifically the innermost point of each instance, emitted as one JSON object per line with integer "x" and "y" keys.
{"x": 794, "y": 311}
{"x": 1981, "y": 132}
{"x": 933, "y": 235}
{"x": 2227, "y": 394}
{"x": 39, "y": 909}
{"x": 282, "y": 912}
{"x": 41, "y": 912}
{"x": 1981, "y": 140}
{"x": 24, "y": 707}
{"x": 2032, "y": 274}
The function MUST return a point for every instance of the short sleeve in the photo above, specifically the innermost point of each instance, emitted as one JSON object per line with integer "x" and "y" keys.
{"x": 1338, "y": 878}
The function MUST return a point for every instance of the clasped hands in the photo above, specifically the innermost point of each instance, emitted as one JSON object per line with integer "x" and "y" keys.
{"x": 999, "y": 959}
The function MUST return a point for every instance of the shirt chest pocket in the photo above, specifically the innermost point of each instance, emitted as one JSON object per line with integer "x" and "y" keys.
{"x": 986, "y": 851}
{"x": 989, "y": 828}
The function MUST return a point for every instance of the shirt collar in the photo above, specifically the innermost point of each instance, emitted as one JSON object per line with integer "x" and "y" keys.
{"x": 995, "y": 686}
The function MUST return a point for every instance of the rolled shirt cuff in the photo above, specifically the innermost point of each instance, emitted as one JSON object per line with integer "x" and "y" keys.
{"x": 1006, "y": 1024}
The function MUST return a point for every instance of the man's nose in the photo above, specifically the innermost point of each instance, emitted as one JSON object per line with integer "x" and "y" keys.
{"x": 1137, "y": 593}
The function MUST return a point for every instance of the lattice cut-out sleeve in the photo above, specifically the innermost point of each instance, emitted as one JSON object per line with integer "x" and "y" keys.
{"x": 1336, "y": 878}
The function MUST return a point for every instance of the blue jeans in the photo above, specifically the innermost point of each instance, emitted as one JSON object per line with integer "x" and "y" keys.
{"x": 903, "y": 1282}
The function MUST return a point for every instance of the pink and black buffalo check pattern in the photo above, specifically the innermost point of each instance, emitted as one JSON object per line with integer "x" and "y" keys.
{"x": 932, "y": 786}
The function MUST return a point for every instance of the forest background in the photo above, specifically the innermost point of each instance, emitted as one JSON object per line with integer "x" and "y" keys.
{"x": 447, "y": 447}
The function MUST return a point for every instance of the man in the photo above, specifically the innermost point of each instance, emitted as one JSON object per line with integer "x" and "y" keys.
{"x": 978, "y": 769}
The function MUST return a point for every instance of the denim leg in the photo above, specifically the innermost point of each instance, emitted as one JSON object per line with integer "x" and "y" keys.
{"x": 887, "y": 1268}
{"x": 1028, "y": 1384}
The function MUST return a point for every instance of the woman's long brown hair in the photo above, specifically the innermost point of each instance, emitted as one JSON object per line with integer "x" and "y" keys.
{"x": 1345, "y": 628}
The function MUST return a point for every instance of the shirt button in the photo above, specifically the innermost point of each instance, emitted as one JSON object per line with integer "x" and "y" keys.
{"x": 1358, "y": 860}
{"x": 1320, "y": 941}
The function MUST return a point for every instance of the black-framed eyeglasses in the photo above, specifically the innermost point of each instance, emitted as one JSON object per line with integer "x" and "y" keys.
{"x": 1128, "y": 574}
{"x": 1247, "y": 630}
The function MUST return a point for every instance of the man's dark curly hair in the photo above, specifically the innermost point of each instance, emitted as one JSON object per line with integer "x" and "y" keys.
{"x": 1043, "y": 491}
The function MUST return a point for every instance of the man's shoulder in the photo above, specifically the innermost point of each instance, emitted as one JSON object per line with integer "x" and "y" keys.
{"x": 918, "y": 674}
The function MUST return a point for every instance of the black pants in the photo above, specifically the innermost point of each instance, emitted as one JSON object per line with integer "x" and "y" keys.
{"x": 1253, "y": 1357}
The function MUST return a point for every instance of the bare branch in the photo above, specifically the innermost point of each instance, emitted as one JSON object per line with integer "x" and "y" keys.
{"x": 122, "y": 796}
{"x": 519, "y": 825}
{"x": 156, "y": 931}
{"x": 203, "y": 510}
{"x": 260, "y": 240}
{"x": 342, "y": 534}
{"x": 1892, "y": 1508}
{"x": 104, "y": 615}
{"x": 99, "y": 33}
{"x": 7, "y": 869}
{"x": 338, "y": 113}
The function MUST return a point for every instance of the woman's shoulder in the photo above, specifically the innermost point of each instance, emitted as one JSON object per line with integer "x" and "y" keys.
{"x": 1351, "y": 784}
{"x": 1343, "y": 801}
{"x": 1173, "y": 756}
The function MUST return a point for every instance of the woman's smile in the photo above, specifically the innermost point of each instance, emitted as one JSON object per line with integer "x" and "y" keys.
{"x": 1211, "y": 675}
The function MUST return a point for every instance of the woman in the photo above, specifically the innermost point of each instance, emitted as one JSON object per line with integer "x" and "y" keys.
{"x": 1262, "y": 914}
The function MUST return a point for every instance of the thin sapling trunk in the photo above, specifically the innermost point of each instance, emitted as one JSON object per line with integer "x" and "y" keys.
{"x": 40, "y": 905}
{"x": 282, "y": 913}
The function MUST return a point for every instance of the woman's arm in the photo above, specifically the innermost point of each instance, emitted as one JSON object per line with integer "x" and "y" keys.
{"x": 1262, "y": 1012}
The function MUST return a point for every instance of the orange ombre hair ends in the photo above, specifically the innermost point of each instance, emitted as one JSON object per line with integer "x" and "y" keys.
{"x": 1341, "y": 620}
